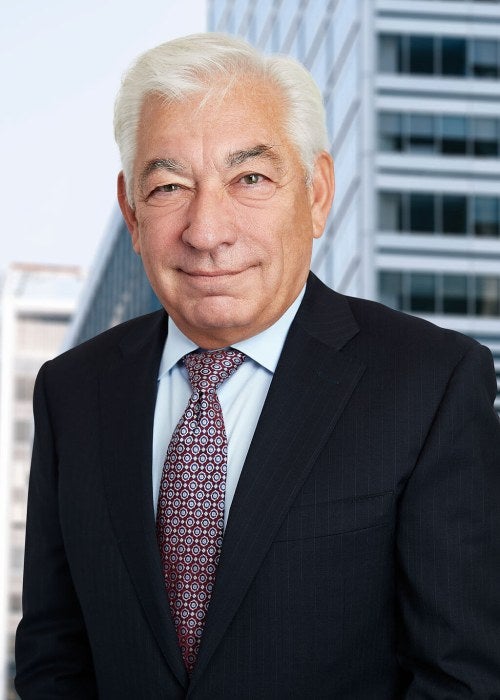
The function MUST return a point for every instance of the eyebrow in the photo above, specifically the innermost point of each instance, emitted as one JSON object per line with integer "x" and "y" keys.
{"x": 261, "y": 150}
{"x": 169, "y": 164}
{"x": 232, "y": 159}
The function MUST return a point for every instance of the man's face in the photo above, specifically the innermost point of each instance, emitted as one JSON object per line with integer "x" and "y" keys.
{"x": 223, "y": 218}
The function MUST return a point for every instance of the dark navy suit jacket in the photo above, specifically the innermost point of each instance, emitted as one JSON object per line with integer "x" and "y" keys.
{"x": 361, "y": 558}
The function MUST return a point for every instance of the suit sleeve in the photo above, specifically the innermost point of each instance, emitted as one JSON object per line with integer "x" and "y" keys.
{"x": 53, "y": 658}
{"x": 448, "y": 545}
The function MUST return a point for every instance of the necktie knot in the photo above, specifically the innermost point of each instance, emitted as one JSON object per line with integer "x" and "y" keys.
{"x": 209, "y": 368}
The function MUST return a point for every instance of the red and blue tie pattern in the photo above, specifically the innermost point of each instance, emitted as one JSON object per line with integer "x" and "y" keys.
{"x": 190, "y": 517}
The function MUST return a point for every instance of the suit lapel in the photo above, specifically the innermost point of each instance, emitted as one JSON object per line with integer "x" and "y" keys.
{"x": 312, "y": 384}
{"x": 127, "y": 399}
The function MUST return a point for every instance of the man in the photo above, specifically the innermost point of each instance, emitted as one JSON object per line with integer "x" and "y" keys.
{"x": 349, "y": 454}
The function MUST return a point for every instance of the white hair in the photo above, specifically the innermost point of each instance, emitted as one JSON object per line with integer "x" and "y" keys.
{"x": 195, "y": 63}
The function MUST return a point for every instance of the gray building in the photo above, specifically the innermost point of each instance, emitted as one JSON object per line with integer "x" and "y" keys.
{"x": 36, "y": 305}
{"x": 412, "y": 95}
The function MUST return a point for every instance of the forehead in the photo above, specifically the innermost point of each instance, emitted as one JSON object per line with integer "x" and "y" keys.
{"x": 219, "y": 119}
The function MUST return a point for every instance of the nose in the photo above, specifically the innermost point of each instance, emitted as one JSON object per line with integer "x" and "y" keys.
{"x": 210, "y": 220}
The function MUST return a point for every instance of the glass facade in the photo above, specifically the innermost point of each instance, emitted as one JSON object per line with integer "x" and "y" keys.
{"x": 117, "y": 290}
{"x": 439, "y": 213}
{"x": 440, "y": 134}
{"x": 420, "y": 54}
{"x": 441, "y": 293}
{"x": 437, "y": 223}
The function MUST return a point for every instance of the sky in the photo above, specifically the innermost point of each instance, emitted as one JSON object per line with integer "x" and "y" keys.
{"x": 61, "y": 62}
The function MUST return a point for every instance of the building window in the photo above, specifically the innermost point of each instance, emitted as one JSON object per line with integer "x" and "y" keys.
{"x": 391, "y": 131}
{"x": 439, "y": 214}
{"x": 448, "y": 135}
{"x": 17, "y": 557}
{"x": 454, "y": 136}
{"x": 454, "y": 213}
{"x": 15, "y": 602}
{"x": 422, "y": 213}
{"x": 24, "y": 388}
{"x": 428, "y": 293}
{"x": 485, "y": 58}
{"x": 420, "y": 54}
{"x": 486, "y": 221}
{"x": 421, "y": 137}
{"x": 390, "y": 53}
{"x": 391, "y": 289}
{"x": 41, "y": 332}
{"x": 455, "y": 294}
{"x": 487, "y": 296}
{"x": 485, "y": 137}
{"x": 422, "y": 296}
{"x": 391, "y": 207}
{"x": 453, "y": 56}
{"x": 22, "y": 431}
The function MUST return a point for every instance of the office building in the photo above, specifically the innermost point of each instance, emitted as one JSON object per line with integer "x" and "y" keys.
{"x": 37, "y": 302}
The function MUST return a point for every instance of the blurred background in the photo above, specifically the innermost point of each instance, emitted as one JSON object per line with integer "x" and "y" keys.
{"x": 412, "y": 94}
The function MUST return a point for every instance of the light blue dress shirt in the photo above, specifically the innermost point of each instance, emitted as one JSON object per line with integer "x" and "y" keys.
{"x": 241, "y": 396}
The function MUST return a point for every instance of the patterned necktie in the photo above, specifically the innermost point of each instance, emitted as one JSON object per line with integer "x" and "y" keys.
{"x": 190, "y": 517}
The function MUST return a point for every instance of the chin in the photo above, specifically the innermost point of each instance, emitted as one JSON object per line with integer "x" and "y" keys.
{"x": 214, "y": 321}
{"x": 219, "y": 317}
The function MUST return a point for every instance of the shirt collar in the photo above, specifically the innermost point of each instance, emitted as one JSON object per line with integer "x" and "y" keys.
{"x": 264, "y": 348}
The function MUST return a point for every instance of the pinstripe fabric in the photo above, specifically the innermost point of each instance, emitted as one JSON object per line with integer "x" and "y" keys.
{"x": 361, "y": 555}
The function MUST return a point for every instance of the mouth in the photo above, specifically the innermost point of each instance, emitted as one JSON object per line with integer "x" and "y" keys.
{"x": 212, "y": 274}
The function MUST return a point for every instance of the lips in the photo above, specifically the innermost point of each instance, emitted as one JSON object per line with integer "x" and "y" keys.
{"x": 212, "y": 273}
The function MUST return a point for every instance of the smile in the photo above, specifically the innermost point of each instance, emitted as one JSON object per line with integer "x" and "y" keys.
{"x": 214, "y": 274}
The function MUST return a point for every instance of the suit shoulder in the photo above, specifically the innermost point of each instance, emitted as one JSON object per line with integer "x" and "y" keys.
{"x": 101, "y": 349}
{"x": 374, "y": 332}
{"x": 385, "y": 326}
{"x": 418, "y": 348}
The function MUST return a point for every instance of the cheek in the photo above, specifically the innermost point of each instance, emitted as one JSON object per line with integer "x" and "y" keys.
{"x": 158, "y": 233}
{"x": 266, "y": 230}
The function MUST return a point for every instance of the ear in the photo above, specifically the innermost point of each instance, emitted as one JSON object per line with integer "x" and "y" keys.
{"x": 322, "y": 191}
{"x": 128, "y": 213}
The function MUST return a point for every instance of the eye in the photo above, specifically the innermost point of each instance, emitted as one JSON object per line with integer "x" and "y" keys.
{"x": 252, "y": 179}
{"x": 171, "y": 187}
{"x": 169, "y": 194}
{"x": 252, "y": 187}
